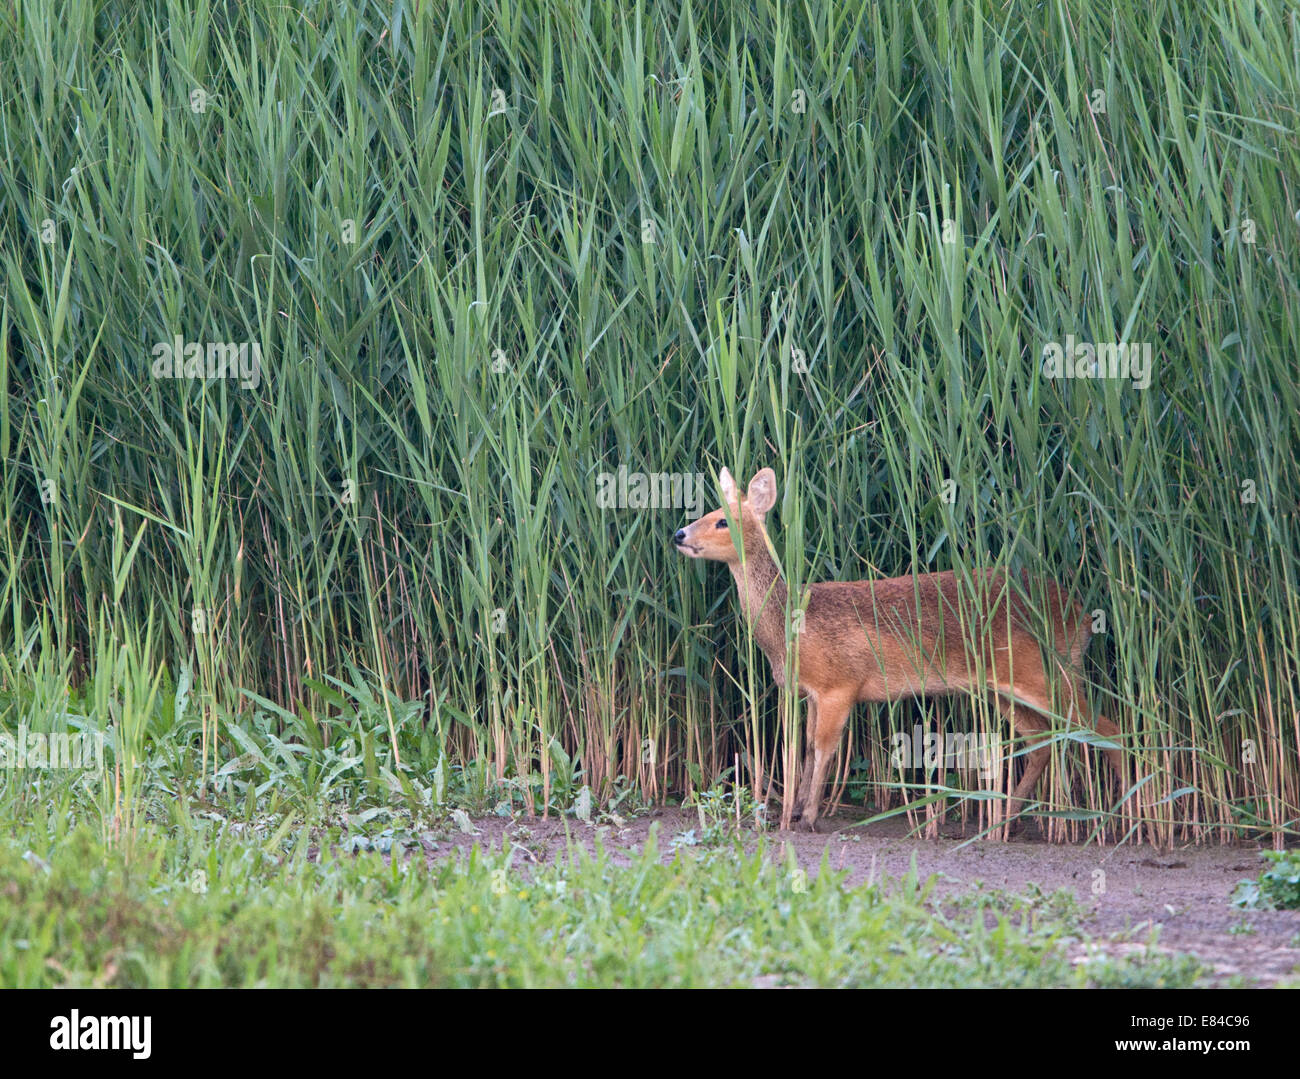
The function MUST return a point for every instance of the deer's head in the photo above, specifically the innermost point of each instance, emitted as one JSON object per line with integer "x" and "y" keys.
{"x": 711, "y": 536}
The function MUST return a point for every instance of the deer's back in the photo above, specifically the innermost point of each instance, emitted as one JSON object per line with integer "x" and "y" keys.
{"x": 931, "y": 633}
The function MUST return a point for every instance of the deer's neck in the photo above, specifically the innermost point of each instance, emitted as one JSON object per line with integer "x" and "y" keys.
{"x": 762, "y": 597}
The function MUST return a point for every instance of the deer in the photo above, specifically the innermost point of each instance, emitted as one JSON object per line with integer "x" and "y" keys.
{"x": 886, "y": 639}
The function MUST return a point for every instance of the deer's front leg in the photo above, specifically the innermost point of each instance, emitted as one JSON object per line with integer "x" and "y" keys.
{"x": 832, "y": 713}
{"x": 809, "y": 758}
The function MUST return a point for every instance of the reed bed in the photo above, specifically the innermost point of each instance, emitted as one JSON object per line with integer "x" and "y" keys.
{"x": 487, "y": 255}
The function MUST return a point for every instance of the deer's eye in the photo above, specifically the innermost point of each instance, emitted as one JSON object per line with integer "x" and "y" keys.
{"x": 721, "y": 524}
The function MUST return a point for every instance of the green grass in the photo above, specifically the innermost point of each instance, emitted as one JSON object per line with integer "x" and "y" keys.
{"x": 1278, "y": 884}
{"x": 222, "y": 909}
{"x": 491, "y": 251}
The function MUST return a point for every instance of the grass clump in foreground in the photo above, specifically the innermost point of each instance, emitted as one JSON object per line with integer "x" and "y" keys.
{"x": 1278, "y": 886}
{"x": 221, "y": 910}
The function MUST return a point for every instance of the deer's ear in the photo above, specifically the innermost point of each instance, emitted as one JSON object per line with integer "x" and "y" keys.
{"x": 727, "y": 484}
{"x": 762, "y": 491}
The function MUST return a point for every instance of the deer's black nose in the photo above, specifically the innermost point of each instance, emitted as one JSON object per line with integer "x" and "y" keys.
{"x": 680, "y": 537}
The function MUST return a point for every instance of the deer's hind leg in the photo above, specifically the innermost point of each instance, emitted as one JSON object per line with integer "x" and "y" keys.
{"x": 1029, "y": 721}
{"x": 1027, "y": 704}
{"x": 1099, "y": 723}
{"x": 1090, "y": 720}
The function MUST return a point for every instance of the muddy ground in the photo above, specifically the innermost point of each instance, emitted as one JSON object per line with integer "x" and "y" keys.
{"x": 1185, "y": 893}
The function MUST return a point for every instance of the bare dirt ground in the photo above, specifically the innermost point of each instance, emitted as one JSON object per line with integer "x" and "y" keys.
{"x": 1184, "y": 894}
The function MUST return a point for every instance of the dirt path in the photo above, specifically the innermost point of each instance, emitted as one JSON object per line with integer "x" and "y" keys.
{"x": 1127, "y": 891}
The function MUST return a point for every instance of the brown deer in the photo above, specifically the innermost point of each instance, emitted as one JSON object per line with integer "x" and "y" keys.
{"x": 882, "y": 640}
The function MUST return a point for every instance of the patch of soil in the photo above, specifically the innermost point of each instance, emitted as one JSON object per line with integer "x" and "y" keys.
{"x": 1184, "y": 894}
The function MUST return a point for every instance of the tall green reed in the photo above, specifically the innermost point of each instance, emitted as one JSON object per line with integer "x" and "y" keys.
{"x": 491, "y": 252}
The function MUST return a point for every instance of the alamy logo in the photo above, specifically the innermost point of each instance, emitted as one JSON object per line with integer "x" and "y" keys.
{"x": 956, "y": 752}
{"x": 179, "y": 358}
{"x": 1111, "y": 359}
{"x": 77, "y": 1031}
{"x": 651, "y": 490}
{"x": 35, "y": 749}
